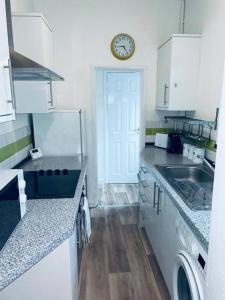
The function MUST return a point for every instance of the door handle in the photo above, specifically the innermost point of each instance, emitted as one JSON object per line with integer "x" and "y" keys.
{"x": 165, "y": 89}
{"x": 138, "y": 130}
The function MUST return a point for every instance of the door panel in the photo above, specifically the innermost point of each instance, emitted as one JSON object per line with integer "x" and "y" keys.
{"x": 116, "y": 161}
{"x": 163, "y": 75}
{"x": 123, "y": 111}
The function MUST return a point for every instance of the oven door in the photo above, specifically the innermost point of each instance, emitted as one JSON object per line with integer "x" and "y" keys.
{"x": 80, "y": 242}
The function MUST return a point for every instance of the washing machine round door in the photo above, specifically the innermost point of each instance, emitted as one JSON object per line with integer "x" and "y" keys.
{"x": 186, "y": 284}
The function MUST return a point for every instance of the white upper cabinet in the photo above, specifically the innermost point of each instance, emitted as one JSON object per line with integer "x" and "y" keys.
{"x": 34, "y": 96}
{"x": 177, "y": 73}
{"x": 7, "y": 100}
{"x": 33, "y": 38}
{"x": 36, "y": 44}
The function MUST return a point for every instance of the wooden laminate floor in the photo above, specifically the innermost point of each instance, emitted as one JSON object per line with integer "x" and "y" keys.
{"x": 119, "y": 263}
{"x": 113, "y": 194}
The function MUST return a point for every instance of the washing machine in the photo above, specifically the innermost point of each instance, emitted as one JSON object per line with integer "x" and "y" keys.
{"x": 190, "y": 265}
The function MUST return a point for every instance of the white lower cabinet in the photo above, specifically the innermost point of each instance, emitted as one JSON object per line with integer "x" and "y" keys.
{"x": 55, "y": 277}
{"x": 168, "y": 240}
{"x": 159, "y": 223}
{"x": 34, "y": 96}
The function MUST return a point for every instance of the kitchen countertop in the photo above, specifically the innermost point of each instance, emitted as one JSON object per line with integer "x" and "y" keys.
{"x": 46, "y": 224}
{"x": 198, "y": 221}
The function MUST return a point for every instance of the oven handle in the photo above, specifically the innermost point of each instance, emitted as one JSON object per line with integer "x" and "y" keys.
{"x": 78, "y": 224}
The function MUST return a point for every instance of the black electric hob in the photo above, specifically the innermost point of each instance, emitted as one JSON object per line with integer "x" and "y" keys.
{"x": 50, "y": 184}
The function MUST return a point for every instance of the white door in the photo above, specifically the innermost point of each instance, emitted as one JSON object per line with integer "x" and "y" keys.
{"x": 123, "y": 110}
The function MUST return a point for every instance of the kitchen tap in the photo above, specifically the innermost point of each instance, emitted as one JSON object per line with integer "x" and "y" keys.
{"x": 205, "y": 161}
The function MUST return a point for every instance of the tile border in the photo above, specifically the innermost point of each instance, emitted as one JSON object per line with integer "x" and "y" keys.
{"x": 210, "y": 145}
{"x": 11, "y": 149}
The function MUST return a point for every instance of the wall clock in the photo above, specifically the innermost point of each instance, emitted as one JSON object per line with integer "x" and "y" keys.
{"x": 123, "y": 46}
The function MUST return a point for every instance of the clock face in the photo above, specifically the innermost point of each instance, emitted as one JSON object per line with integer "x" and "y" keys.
{"x": 122, "y": 46}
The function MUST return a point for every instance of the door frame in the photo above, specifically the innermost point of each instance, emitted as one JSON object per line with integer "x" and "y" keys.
{"x": 129, "y": 69}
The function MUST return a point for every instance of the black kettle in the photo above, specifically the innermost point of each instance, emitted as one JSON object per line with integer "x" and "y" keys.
{"x": 174, "y": 143}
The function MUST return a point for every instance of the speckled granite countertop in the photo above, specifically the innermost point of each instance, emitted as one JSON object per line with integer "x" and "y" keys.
{"x": 46, "y": 224}
{"x": 198, "y": 221}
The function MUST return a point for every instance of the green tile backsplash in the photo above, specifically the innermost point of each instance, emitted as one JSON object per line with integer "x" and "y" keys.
{"x": 153, "y": 131}
{"x": 11, "y": 149}
{"x": 210, "y": 145}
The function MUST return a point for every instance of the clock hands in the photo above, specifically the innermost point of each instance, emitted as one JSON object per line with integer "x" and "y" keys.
{"x": 124, "y": 48}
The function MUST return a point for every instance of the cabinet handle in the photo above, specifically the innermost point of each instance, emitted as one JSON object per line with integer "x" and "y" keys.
{"x": 139, "y": 176}
{"x": 142, "y": 182}
{"x": 158, "y": 203}
{"x": 165, "y": 88}
{"x": 144, "y": 170}
{"x": 51, "y": 95}
{"x": 143, "y": 198}
{"x": 155, "y": 187}
{"x": 13, "y": 100}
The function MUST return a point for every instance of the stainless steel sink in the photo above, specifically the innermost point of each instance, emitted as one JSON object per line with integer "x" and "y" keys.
{"x": 194, "y": 183}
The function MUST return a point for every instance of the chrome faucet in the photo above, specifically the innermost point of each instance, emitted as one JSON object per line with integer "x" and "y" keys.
{"x": 205, "y": 161}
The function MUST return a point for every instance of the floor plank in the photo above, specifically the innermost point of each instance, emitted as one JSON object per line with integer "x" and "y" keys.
{"x": 117, "y": 255}
{"x": 143, "y": 277}
{"x": 163, "y": 290}
{"x": 116, "y": 265}
{"x": 121, "y": 287}
{"x": 97, "y": 212}
{"x": 94, "y": 282}
{"x": 118, "y": 194}
{"x": 129, "y": 215}
{"x": 146, "y": 244}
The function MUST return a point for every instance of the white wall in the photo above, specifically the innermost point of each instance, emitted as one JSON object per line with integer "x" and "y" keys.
{"x": 208, "y": 17}
{"x": 22, "y": 5}
{"x": 83, "y": 30}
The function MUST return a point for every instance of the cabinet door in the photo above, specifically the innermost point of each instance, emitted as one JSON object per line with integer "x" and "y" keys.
{"x": 163, "y": 75}
{"x": 156, "y": 220}
{"x": 184, "y": 73}
{"x": 142, "y": 199}
{"x": 33, "y": 96}
{"x": 150, "y": 208}
{"x": 168, "y": 244}
{"x": 48, "y": 53}
{"x": 39, "y": 49}
{"x": 74, "y": 266}
{"x": 6, "y": 83}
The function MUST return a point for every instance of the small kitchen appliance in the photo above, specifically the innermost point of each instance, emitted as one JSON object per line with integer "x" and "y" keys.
{"x": 12, "y": 207}
{"x": 174, "y": 143}
{"x": 161, "y": 140}
{"x": 36, "y": 153}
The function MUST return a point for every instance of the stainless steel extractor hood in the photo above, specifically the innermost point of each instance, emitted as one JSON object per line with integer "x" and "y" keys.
{"x": 24, "y": 68}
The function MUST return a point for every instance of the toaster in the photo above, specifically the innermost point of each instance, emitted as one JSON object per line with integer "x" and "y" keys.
{"x": 161, "y": 140}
